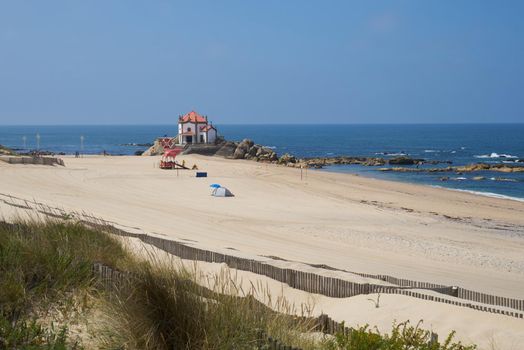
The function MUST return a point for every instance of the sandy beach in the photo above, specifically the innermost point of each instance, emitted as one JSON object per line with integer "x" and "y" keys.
{"x": 345, "y": 221}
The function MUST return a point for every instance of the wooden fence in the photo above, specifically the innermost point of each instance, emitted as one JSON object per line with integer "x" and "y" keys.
{"x": 331, "y": 286}
{"x": 309, "y": 282}
{"x": 34, "y": 160}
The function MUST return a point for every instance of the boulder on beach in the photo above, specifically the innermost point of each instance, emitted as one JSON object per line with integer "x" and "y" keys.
{"x": 252, "y": 152}
{"x": 240, "y": 153}
{"x": 227, "y": 149}
{"x": 266, "y": 155}
{"x": 242, "y": 148}
{"x": 286, "y": 159}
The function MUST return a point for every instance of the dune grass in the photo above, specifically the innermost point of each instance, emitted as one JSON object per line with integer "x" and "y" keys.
{"x": 156, "y": 305}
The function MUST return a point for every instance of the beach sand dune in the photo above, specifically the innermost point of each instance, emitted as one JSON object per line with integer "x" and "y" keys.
{"x": 345, "y": 221}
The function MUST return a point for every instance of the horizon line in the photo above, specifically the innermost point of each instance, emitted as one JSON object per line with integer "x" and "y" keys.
{"x": 260, "y": 124}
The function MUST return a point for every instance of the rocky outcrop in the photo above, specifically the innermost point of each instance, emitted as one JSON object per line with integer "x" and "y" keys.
{"x": 321, "y": 162}
{"x": 227, "y": 149}
{"x": 247, "y": 149}
{"x": 461, "y": 169}
{"x": 287, "y": 159}
{"x": 242, "y": 149}
{"x": 405, "y": 161}
{"x": 505, "y": 168}
{"x": 266, "y": 155}
{"x": 155, "y": 150}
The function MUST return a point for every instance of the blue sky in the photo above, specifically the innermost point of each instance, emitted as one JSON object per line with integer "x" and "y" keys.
{"x": 271, "y": 61}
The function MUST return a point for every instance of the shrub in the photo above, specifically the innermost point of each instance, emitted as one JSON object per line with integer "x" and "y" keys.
{"x": 403, "y": 336}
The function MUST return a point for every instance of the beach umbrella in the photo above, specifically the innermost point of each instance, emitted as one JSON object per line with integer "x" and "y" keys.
{"x": 215, "y": 185}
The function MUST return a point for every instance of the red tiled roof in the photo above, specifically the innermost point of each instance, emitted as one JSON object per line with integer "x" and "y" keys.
{"x": 192, "y": 117}
{"x": 207, "y": 127}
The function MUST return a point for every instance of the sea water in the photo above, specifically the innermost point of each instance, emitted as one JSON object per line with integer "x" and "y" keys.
{"x": 459, "y": 143}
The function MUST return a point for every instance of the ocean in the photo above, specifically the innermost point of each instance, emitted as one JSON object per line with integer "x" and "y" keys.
{"x": 459, "y": 143}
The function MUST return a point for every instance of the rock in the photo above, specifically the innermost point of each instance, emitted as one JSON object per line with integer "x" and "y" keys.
{"x": 268, "y": 156}
{"x": 243, "y": 148}
{"x": 227, "y": 150}
{"x": 261, "y": 151}
{"x": 239, "y": 153}
{"x": 444, "y": 178}
{"x": 405, "y": 161}
{"x": 154, "y": 150}
{"x": 287, "y": 158}
{"x": 504, "y": 168}
{"x": 461, "y": 169}
{"x": 253, "y": 151}
{"x": 139, "y": 153}
{"x": 247, "y": 142}
{"x": 434, "y": 162}
{"x": 374, "y": 162}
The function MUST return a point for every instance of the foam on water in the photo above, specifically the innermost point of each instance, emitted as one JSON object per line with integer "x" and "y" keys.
{"x": 495, "y": 155}
{"x": 485, "y": 194}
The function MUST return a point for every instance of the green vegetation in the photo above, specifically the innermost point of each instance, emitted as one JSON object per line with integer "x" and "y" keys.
{"x": 30, "y": 335}
{"x": 6, "y": 151}
{"x": 50, "y": 299}
{"x": 403, "y": 336}
{"x": 42, "y": 267}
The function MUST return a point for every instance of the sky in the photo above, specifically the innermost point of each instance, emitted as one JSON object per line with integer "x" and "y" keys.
{"x": 271, "y": 61}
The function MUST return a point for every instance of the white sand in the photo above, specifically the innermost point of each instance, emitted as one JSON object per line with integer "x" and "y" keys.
{"x": 345, "y": 221}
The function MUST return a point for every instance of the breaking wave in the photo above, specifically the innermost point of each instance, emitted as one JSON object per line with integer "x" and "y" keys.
{"x": 495, "y": 155}
{"x": 486, "y": 194}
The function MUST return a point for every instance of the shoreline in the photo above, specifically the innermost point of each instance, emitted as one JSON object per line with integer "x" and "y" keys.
{"x": 481, "y": 193}
{"x": 478, "y": 193}
{"x": 407, "y": 181}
